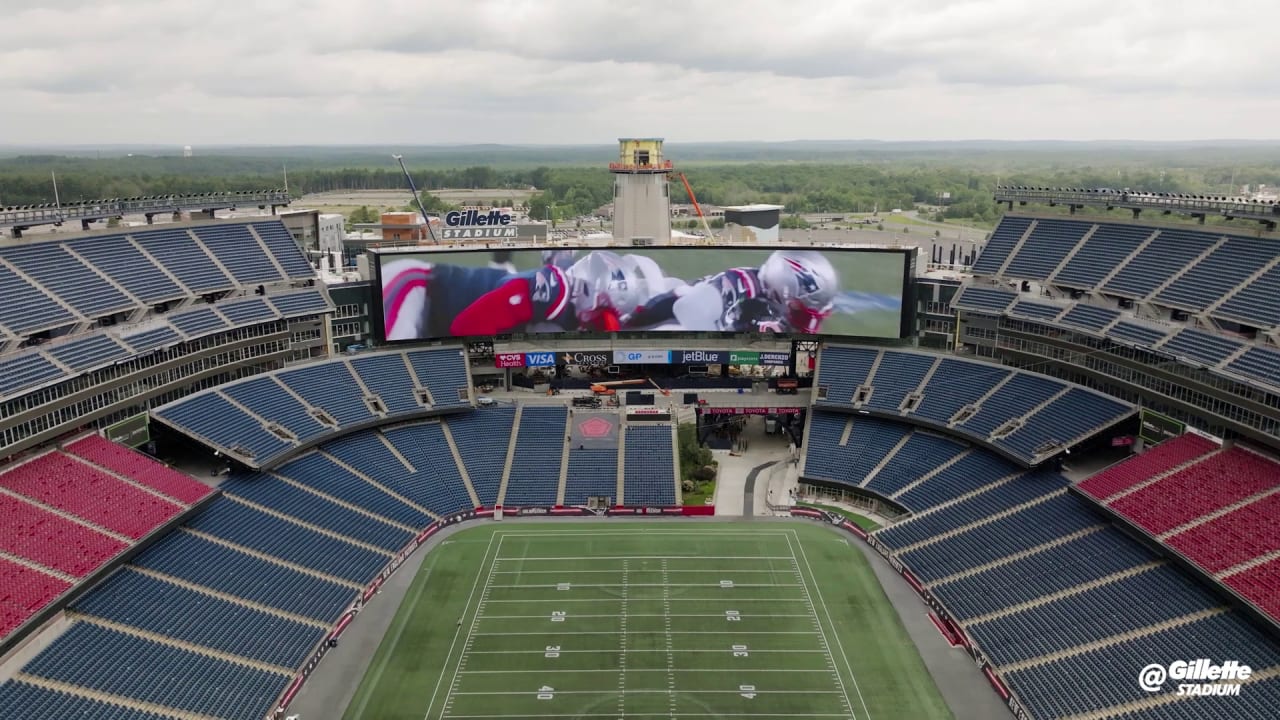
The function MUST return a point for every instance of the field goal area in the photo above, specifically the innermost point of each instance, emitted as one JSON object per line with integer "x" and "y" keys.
{"x": 646, "y": 623}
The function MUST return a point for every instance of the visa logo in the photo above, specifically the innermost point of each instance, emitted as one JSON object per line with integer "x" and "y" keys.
{"x": 537, "y": 359}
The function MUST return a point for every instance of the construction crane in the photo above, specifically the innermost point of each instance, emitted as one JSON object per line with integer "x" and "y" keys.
{"x": 606, "y": 388}
{"x": 417, "y": 198}
{"x": 696, "y": 207}
{"x": 660, "y": 389}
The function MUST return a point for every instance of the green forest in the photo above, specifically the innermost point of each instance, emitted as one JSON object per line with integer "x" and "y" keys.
{"x": 853, "y": 179}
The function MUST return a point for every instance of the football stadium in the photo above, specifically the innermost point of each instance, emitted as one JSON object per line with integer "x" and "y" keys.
{"x": 1042, "y": 484}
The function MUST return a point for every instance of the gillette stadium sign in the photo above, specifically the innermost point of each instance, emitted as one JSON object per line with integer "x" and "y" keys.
{"x": 473, "y": 224}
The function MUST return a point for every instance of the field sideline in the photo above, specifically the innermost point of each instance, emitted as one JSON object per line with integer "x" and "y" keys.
{"x": 646, "y": 620}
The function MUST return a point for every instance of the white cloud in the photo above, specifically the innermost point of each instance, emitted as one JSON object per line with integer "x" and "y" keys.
{"x": 567, "y": 71}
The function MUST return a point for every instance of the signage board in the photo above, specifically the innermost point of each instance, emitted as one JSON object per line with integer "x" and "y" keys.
{"x": 599, "y": 357}
{"x": 635, "y": 357}
{"x": 539, "y": 359}
{"x": 699, "y": 357}
{"x": 509, "y": 360}
{"x": 134, "y": 431}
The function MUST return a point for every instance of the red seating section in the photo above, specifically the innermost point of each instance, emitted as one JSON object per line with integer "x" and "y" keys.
{"x": 140, "y": 468}
{"x": 1261, "y": 585}
{"x": 23, "y": 591}
{"x": 1246, "y": 533}
{"x": 76, "y": 487}
{"x": 1162, "y": 458}
{"x": 1240, "y": 535}
{"x": 52, "y": 540}
{"x": 1198, "y": 490}
{"x": 68, "y": 512}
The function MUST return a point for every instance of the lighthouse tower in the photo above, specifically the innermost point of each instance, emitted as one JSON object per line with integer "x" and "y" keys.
{"x": 641, "y": 196}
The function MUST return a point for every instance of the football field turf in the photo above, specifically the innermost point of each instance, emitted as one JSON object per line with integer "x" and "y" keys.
{"x": 646, "y": 620}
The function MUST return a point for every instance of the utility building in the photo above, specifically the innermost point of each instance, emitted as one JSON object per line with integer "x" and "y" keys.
{"x": 641, "y": 195}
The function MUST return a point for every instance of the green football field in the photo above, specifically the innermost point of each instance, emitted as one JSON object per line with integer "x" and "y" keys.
{"x": 671, "y": 620}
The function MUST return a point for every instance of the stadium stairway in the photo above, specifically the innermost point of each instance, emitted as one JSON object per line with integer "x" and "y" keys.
{"x": 89, "y": 524}
{"x": 1017, "y": 246}
{"x": 1214, "y": 515}
{"x": 275, "y": 560}
{"x": 887, "y": 457}
{"x": 1073, "y": 590}
{"x": 1014, "y": 557}
{"x": 563, "y": 481}
{"x": 180, "y": 644}
{"x": 309, "y": 526}
{"x": 380, "y": 486}
{"x": 236, "y": 599}
{"x": 359, "y": 510}
{"x": 622, "y": 460}
{"x": 511, "y": 453}
{"x": 934, "y": 473}
{"x": 675, "y": 463}
{"x": 961, "y": 415}
{"x": 108, "y": 698}
{"x": 457, "y": 459}
{"x": 977, "y": 523}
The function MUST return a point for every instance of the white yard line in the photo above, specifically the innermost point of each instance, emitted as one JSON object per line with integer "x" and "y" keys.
{"x": 639, "y": 670}
{"x": 622, "y": 648}
{"x": 668, "y": 585}
{"x": 475, "y": 617}
{"x": 821, "y": 632}
{"x": 682, "y": 599}
{"x": 827, "y": 612}
{"x": 644, "y": 615}
{"x": 578, "y": 559}
{"x": 575, "y": 571}
{"x": 465, "y": 608}
{"x": 671, "y": 664}
{"x": 647, "y": 632}
{"x": 523, "y": 716}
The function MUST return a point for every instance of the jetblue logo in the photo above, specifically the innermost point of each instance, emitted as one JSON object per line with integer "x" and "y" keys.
{"x": 702, "y": 356}
{"x": 459, "y": 218}
{"x": 539, "y": 359}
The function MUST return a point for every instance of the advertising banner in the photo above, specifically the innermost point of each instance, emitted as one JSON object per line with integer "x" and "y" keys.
{"x": 539, "y": 359}
{"x": 750, "y": 411}
{"x": 775, "y": 358}
{"x": 1158, "y": 428}
{"x": 483, "y": 293}
{"x": 751, "y": 357}
{"x": 598, "y": 357}
{"x": 642, "y": 357}
{"x": 699, "y": 357}
{"x": 509, "y": 360}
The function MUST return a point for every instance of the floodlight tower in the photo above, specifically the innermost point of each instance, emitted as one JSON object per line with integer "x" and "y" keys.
{"x": 641, "y": 193}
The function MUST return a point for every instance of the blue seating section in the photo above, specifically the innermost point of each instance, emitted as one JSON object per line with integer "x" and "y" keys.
{"x": 174, "y": 248}
{"x": 444, "y": 373}
{"x": 1257, "y": 702}
{"x": 843, "y": 369}
{"x": 1109, "y": 672}
{"x": 1090, "y": 316}
{"x": 1258, "y": 363}
{"x": 137, "y": 600}
{"x": 198, "y": 321}
{"x": 218, "y": 567}
{"x": 1035, "y": 525}
{"x": 37, "y": 310}
{"x": 1077, "y": 414}
{"x": 245, "y": 312}
{"x": 24, "y": 371}
{"x": 1026, "y": 486}
{"x": 1216, "y": 275}
{"x": 1035, "y": 311}
{"x": 922, "y": 453}
{"x": 20, "y": 701}
{"x": 438, "y": 484}
{"x": 1052, "y": 570}
{"x": 482, "y": 438}
{"x": 1003, "y": 240}
{"x": 331, "y": 387}
{"x": 870, "y": 440}
{"x": 969, "y": 473}
{"x": 1014, "y": 399}
{"x": 319, "y": 472}
{"x": 285, "y": 249}
{"x": 268, "y": 400}
{"x": 153, "y": 338}
{"x": 245, "y": 526}
{"x": 1045, "y": 247}
{"x": 648, "y": 471}
{"x": 824, "y": 455}
{"x": 1164, "y": 256}
{"x": 215, "y": 419}
{"x": 277, "y": 495}
{"x": 593, "y": 472}
{"x": 121, "y": 664}
{"x": 955, "y": 384}
{"x": 1149, "y": 597}
{"x": 898, "y": 375}
{"x": 236, "y": 248}
{"x": 1257, "y": 303}
{"x": 1201, "y": 346}
{"x": 1106, "y": 248}
{"x": 388, "y": 377}
{"x": 60, "y": 272}
{"x": 984, "y": 299}
{"x": 88, "y": 352}
{"x": 301, "y": 303}
{"x": 120, "y": 259}
{"x": 540, "y": 446}
{"x": 1138, "y": 334}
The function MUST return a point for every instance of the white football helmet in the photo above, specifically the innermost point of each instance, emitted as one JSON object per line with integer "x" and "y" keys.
{"x": 801, "y": 288}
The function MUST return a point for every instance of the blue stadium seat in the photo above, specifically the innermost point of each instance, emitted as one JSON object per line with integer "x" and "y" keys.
{"x": 841, "y": 371}
{"x": 1201, "y": 346}
{"x": 535, "y": 467}
{"x": 1216, "y": 275}
{"x": 1045, "y": 247}
{"x": 28, "y": 309}
{"x": 285, "y": 250}
{"x": 49, "y": 264}
{"x": 331, "y": 387}
{"x": 482, "y": 437}
{"x": 1003, "y": 239}
{"x": 146, "y": 340}
{"x": 23, "y": 701}
{"x": 898, "y": 375}
{"x": 247, "y": 311}
{"x": 984, "y": 299}
{"x": 317, "y": 471}
{"x": 1090, "y": 316}
{"x": 179, "y": 254}
{"x": 437, "y": 484}
{"x": 200, "y": 320}
{"x": 1035, "y": 311}
{"x": 293, "y": 502}
{"x": 88, "y": 352}
{"x": 593, "y": 472}
{"x": 237, "y": 250}
{"x": 19, "y": 372}
{"x": 444, "y": 373}
{"x": 648, "y": 466}
{"x": 955, "y": 384}
{"x": 119, "y": 258}
{"x": 212, "y": 417}
{"x": 270, "y": 401}
{"x": 387, "y": 376}
{"x": 1167, "y": 254}
{"x": 300, "y": 303}
{"x": 1106, "y": 248}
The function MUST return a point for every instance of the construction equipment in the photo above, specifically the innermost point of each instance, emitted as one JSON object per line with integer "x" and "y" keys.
{"x": 606, "y": 388}
{"x": 661, "y": 389}
{"x": 696, "y": 207}
{"x": 416, "y": 196}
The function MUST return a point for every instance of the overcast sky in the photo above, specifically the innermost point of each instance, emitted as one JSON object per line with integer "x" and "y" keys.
{"x": 588, "y": 71}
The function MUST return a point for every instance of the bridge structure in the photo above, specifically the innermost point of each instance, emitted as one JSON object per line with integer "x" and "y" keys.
{"x": 1196, "y": 206}
{"x": 22, "y": 217}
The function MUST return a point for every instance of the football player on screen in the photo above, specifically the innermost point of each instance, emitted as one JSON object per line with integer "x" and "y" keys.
{"x": 425, "y": 300}
{"x": 793, "y": 291}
